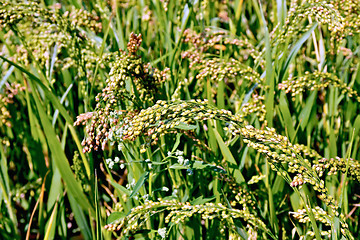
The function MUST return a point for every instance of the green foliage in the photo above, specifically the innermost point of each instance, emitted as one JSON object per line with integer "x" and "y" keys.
{"x": 199, "y": 119}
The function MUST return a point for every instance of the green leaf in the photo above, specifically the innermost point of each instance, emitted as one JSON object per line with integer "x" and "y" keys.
{"x": 59, "y": 157}
{"x": 310, "y": 213}
{"x": 295, "y": 50}
{"x": 53, "y": 59}
{"x": 270, "y": 80}
{"x": 281, "y": 11}
{"x": 120, "y": 188}
{"x": 114, "y": 216}
{"x": 184, "y": 126}
{"x": 99, "y": 236}
{"x": 51, "y": 224}
{"x": 55, "y": 188}
{"x": 56, "y": 113}
{"x": 285, "y": 112}
{"x": 139, "y": 183}
{"x": 201, "y": 200}
{"x": 55, "y": 101}
{"x": 239, "y": 178}
{"x": 177, "y": 142}
{"x": 7, "y": 75}
{"x": 4, "y": 187}
{"x": 199, "y": 165}
{"x": 178, "y": 166}
{"x": 306, "y": 111}
{"x": 356, "y": 125}
{"x": 80, "y": 218}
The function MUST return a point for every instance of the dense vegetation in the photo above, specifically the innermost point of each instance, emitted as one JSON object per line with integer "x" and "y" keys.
{"x": 179, "y": 119}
